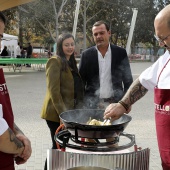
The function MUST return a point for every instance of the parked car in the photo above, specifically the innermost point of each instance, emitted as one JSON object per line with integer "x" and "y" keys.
{"x": 39, "y": 52}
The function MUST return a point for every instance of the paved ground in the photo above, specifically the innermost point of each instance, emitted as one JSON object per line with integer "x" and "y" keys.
{"x": 27, "y": 90}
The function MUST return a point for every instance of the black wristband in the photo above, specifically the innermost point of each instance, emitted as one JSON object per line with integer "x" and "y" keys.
{"x": 124, "y": 105}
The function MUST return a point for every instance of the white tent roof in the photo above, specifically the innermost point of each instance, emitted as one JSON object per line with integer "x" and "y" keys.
{"x": 9, "y": 37}
{"x": 11, "y": 41}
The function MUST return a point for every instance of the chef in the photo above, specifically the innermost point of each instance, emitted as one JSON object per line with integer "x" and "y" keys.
{"x": 157, "y": 79}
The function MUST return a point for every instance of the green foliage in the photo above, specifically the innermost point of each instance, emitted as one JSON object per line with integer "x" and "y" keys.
{"x": 40, "y": 20}
{"x": 45, "y": 18}
{"x": 12, "y": 21}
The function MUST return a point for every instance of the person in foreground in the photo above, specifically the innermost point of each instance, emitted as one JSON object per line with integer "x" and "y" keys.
{"x": 105, "y": 69}
{"x": 14, "y": 145}
{"x": 157, "y": 79}
{"x": 64, "y": 85}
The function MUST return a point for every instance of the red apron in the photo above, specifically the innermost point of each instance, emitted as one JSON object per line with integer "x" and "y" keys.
{"x": 162, "y": 118}
{"x": 6, "y": 160}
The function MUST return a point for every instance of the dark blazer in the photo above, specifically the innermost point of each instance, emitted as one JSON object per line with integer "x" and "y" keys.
{"x": 120, "y": 71}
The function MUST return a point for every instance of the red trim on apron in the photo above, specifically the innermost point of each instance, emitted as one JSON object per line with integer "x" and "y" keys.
{"x": 162, "y": 119}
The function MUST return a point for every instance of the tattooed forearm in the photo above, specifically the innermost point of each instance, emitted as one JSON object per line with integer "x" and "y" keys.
{"x": 135, "y": 92}
{"x": 17, "y": 129}
{"x": 14, "y": 139}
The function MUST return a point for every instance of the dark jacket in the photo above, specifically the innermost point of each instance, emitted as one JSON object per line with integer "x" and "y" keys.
{"x": 4, "y": 52}
{"x": 120, "y": 71}
{"x": 29, "y": 50}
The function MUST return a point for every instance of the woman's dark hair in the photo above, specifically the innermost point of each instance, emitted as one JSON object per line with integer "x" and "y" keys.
{"x": 72, "y": 62}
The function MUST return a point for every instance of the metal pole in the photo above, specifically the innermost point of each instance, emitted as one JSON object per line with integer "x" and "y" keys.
{"x": 76, "y": 18}
{"x": 135, "y": 11}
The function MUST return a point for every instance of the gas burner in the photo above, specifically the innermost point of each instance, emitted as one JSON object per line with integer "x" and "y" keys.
{"x": 75, "y": 148}
{"x": 66, "y": 139}
{"x": 94, "y": 142}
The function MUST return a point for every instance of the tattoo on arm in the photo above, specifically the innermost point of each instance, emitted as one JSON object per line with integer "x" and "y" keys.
{"x": 17, "y": 129}
{"x": 134, "y": 93}
{"x": 14, "y": 139}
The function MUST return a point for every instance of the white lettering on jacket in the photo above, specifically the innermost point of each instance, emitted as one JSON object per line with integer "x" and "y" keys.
{"x": 3, "y": 89}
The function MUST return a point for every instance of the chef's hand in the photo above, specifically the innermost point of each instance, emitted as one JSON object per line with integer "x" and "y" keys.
{"x": 115, "y": 111}
{"x": 19, "y": 160}
{"x": 27, "y": 147}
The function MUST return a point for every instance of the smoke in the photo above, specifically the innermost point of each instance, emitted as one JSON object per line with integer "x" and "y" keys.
{"x": 91, "y": 102}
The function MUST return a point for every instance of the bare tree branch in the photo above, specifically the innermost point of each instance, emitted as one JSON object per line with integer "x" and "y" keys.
{"x": 93, "y": 16}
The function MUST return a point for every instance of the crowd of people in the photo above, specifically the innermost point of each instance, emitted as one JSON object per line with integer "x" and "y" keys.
{"x": 20, "y": 51}
{"x": 102, "y": 81}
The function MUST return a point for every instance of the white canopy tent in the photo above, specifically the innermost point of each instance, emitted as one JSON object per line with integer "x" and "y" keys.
{"x": 11, "y": 42}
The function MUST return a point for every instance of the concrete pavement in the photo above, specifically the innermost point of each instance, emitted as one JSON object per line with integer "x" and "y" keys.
{"x": 27, "y": 90}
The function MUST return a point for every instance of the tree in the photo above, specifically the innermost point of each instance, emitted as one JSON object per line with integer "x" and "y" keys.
{"x": 46, "y": 19}
{"x": 117, "y": 14}
{"x": 50, "y": 17}
{"x": 12, "y": 21}
{"x": 144, "y": 30}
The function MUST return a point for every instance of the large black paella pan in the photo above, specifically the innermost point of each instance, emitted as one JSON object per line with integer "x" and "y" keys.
{"x": 76, "y": 123}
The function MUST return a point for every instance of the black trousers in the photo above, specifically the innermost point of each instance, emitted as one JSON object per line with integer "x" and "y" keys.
{"x": 28, "y": 56}
{"x": 18, "y": 65}
{"x": 53, "y": 127}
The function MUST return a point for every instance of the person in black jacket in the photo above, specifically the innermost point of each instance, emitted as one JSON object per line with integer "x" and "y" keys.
{"x": 29, "y": 53}
{"x": 4, "y": 52}
{"x": 105, "y": 69}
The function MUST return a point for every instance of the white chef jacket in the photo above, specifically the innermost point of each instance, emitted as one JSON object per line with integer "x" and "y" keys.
{"x": 3, "y": 123}
{"x": 149, "y": 77}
